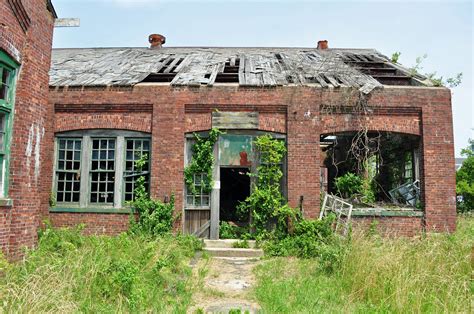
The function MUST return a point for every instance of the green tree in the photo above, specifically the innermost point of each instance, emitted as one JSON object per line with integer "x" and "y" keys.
{"x": 465, "y": 181}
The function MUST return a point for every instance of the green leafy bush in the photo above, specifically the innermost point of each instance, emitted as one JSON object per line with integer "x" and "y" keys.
{"x": 155, "y": 218}
{"x": 230, "y": 231}
{"x": 311, "y": 238}
{"x": 465, "y": 181}
{"x": 242, "y": 244}
{"x": 349, "y": 185}
{"x": 202, "y": 161}
{"x": 266, "y": 203}
{"x": 227, "y": 231}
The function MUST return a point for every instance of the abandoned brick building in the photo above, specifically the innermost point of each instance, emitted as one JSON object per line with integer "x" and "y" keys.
{"x": 26, "y": 31}
{"x": 114, "y": 104}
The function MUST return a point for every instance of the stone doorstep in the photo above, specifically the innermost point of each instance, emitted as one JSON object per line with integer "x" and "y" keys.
{"x": 233, "y": 252}
{"x": 226, "y": 243}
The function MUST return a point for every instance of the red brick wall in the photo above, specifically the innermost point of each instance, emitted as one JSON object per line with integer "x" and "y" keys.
{"x": 390, "y": 226}
{"x": 110, "y": 224}
{"x": 290, "y": 110}
{"x": 31, "y": 124}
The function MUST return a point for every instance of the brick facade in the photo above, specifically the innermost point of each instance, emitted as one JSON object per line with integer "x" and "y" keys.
{"x": 29, "y": 44}
{"x": 294, "y": 111}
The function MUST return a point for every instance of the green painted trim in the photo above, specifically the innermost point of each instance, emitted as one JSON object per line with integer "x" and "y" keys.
{"x": 6, "y": 59}
{"x": 96, "y": 210}
{"x": 7, "y": 107}
{"x": 387, "y": 213}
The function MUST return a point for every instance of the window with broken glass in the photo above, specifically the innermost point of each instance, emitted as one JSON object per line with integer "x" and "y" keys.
{"x": 135, "y": 150}
{"x": 98, "y": 170}
{"x": 7, "y": 92}
{"x": 200, "y": 197}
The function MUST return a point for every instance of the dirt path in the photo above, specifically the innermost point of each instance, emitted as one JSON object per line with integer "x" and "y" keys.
{"x": 226, "y": 286}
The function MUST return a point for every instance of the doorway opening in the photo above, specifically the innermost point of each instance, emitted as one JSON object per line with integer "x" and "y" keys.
{"x": 235, "y": 188}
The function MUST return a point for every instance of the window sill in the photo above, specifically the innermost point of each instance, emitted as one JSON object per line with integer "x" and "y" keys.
{"x": 91, "y": 210}
{"x": 6, "y": 202}
{"x": 383, "y": 212}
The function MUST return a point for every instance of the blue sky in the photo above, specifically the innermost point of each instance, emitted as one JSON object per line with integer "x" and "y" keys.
{"x": 441, "y": 29}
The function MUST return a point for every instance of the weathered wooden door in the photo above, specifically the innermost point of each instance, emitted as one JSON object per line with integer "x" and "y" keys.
{"x": 197, "y": 206}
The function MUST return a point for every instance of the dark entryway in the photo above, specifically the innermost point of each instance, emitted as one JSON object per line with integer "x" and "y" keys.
{"x": 235, "y": 187}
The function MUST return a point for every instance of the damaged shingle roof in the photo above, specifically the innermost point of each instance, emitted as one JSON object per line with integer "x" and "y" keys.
{"x": 201, "y": 66}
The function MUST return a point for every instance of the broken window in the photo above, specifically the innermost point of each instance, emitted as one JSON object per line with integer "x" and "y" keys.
{"x": 166, "y": 73}
{"x": 93, "y": 167}
{"x": 230, "y": 74}
{"x": 201, "y": 198}
{"x": 135, "y": 150}
{"x": 7, "y": 80}
{"x": 379, "y": 69}
{"x": 386, "y": 162}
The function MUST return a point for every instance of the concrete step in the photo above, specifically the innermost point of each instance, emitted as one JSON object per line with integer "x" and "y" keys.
{"x": 226, "y": 243}
{"x": 233, "y": 252}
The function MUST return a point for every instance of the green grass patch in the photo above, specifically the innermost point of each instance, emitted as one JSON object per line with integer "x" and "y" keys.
{"x": 430, "y": 275}
{"x": 69, "y": 272}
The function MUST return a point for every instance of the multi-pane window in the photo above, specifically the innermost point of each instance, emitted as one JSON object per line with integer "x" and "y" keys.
{"x": 102, "y": 172}
{"x": 94, "y": 170}
{"x": 136, "y": 149}
{"x": 68, "y": 170}
{"x": 5, "y": 83}
{"x": 200, "y": 197}
{"x": 7, "y": 80}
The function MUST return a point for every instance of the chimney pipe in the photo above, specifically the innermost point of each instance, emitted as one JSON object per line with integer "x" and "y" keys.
{"x": 156, "y": 41}
{"x": 322, "y": 45}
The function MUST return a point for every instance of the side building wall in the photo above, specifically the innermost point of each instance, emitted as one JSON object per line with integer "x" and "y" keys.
{"x": 26, "y": 40}
{"x": 294, "y": 111}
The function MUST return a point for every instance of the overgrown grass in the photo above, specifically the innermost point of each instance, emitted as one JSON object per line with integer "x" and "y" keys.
{"x": 69, "y": 272}
{"x": 429, "y": 275}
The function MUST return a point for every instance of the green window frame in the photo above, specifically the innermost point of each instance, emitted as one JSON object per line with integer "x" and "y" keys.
{"x": 95, "y": 170}
{"x": 102, "y": 171}
{"x": 8, "y": 72}
{"x": 68, "y": 170}
{"x": 134, "y": 150}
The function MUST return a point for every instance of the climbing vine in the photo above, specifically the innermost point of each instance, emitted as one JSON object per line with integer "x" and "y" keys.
{"x": 266, "y": 204}
{"x": 155, "y": 218}
{"x": 202, "y": 161}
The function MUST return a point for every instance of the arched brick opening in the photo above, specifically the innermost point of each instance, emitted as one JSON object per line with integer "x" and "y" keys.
{"x": 140, "y": 122}
{"x": 391, "y": 160}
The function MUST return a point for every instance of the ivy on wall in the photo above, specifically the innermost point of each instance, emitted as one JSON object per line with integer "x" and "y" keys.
{"x": 266, "y": 202}
{"x": 202, "y": 161}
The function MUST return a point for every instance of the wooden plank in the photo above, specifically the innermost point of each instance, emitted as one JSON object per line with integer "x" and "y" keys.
{"x": 215, "y": 197}
{"x": 171, "y": 66}
{"x": 235, "y": 120}
{"x": 119, "y": 171}
{"x": 333, "y": 81}
{"x": 67, "y": 22}
{"x": 85, "y": 166}
{"x": 242, "y": 70}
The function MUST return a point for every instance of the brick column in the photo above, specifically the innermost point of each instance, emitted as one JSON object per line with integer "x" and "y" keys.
{"x": 303, "y": 158}
{"x": 167, "y": 162}
{"x": 439, "y": 181}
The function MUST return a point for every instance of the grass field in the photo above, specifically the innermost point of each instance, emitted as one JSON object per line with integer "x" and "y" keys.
{"x": 71, "y": 273}
{"x": 376, "y": 275}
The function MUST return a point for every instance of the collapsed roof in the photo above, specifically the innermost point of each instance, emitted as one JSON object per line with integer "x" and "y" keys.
{"x": 364, "y": 69}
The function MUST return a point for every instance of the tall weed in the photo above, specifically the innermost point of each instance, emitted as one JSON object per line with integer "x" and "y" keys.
{"x": 69, "y": 272}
